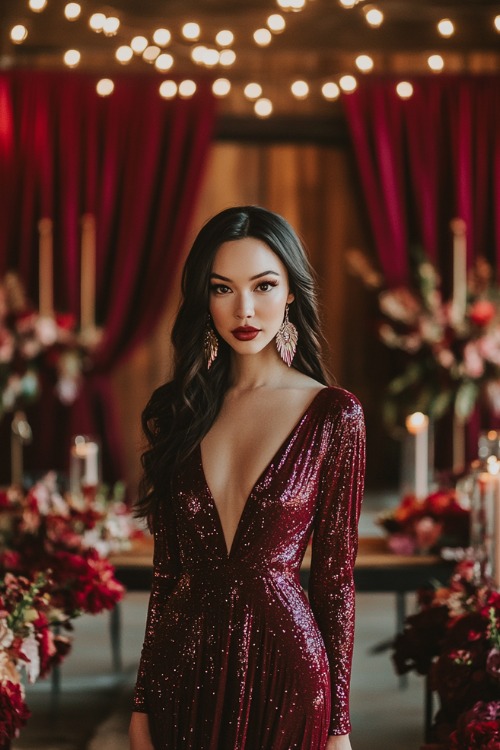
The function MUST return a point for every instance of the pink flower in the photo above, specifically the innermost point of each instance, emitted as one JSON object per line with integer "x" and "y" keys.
{"x": 473, "y": 361}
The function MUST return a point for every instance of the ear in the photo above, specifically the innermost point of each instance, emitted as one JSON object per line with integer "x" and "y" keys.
{"x": 290, "y": 298}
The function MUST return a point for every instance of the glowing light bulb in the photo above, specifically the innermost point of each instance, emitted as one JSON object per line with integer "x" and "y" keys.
{"x": 224, "y": 38}
{"x": 210, "y": 57}
{"x": 164, "y": 61}
{"x": 124, "y": 54}
{"x": 446, "y": 27}
{"x": 252, "y": 90}
{"x": 151, "y": 53}
{"x": 227, "y": 57}
{"x": 191, "y": 31}
{"x": 373, "y": 16}
{"x": 435, "y": 62}
{"x": 263, "y": 107}
{"x": 186, "y": 89}
{"x": 276, "y": 23}
{"x": 300, "y": 89}
{"x": 496, "y": 23}
{"x": 162, "y": 37}
{"x": 18, "y": 33}
{"x": 111, "y": 25}
{"x": 37, "y": 5}
{"x": 348, "y": 83}
{"x": 139, "y": 44}
{"x": 348, "y": 3}
{"x": 72, "y": 11}
{"x": 105, "y": 87}
{"x": 198, "y": 53}
{"x": 330, "y": 91}
{"x": 168, "y": 89}
{"x": 404, "y": 89}
{"x": 221, "y": 87}
{"x": 96, "y": 21}
{"x": 71, "y": 58}
{"x": 262, "y": 37}
{"x": 364, "y": 63}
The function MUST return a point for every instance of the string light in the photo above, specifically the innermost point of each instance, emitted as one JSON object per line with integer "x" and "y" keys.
{"x": 168, "y": 89}
{"x": 224, "y": 38}
{"x": 124, "y": 54}
{"x": 227, "y": 57}
{"x": 96, "y": 21}
{"x": 164, "y": 61}
{"x": 105, "y": 87}
{"x": 151, "y": 53}
{"x": 111, "y": 25}
{"x": 364, "y": 63}
{"x": 262, "y": 37}
{"x": 191, "y": 31}
{"x": 162, "y": 37}
{"x": 276, "y": 23}
{"x": 186, "y": 89}
{"x": 404, "y": 89}
{"x": 252, "y": 90}
{"x": 72, "y": 11}
{"x": 300, "y": 89}
{"x": 373, "y": 16}
{"x": 330, "y": 91}
{"x": 221, "y": 87}
{"x": 348, "y": 3}
{"x": 446, "y": 27}
{"x": 263, "y": 107}
{"x": 18, "y": 33}
{"x": 139, "y": 44}
{"x": 37, "y": 5}
{"x": 496, "y": 23}
{"x": 291, "y": 5}
{"x": 435, "y": 62}
{"x": 71, "y": 58}
{"x": 348, "y": 83}
{"x": 198, "y": 53}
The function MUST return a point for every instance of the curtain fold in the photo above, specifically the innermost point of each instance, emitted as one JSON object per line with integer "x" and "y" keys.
{"x": 134, "y": 161}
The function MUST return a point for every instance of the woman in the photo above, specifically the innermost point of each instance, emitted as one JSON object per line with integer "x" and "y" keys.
{"x": 249, "y": 452}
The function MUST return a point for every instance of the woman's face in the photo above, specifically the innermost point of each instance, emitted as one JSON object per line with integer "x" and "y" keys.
{"x": 248, "y": 294}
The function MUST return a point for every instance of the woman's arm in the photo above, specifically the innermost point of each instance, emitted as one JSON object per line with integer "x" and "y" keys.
{"x": 139, "y": 736}
{"x": 335, "y": 540}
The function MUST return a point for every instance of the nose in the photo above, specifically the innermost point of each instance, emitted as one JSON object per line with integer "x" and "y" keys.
{"x": 244, "y": 307}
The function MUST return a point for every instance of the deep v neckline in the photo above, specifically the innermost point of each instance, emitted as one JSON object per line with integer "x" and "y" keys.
{"x": 259, "y": 479}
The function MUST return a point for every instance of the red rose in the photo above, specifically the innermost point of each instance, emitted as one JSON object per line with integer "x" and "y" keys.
{"x": 482, "y": 312}
{"x": 14, "y": 712}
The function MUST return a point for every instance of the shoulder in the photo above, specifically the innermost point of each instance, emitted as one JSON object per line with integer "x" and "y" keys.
{"x": 339, "y": 404}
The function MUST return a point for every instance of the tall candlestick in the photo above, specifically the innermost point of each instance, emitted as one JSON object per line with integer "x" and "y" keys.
{"x": 459, "y": 302}
{"x": 88, "y": 273}
{"x": 45, "y": 272}
{"x": 417, "y": 424}
{"x": 20, "y": 435}
{"x": 458, "y": 444}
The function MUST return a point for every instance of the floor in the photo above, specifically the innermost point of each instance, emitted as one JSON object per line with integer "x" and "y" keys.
{"x": 94, "y": 705}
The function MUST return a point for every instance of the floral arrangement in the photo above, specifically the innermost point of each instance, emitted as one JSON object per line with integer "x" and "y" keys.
{"x": 455, "y": 640}
{"x": 419, "y": 526}
{"x": 449, "y": 361}
{"x": 53, "y": 566}
{"x": 29, "y": 340}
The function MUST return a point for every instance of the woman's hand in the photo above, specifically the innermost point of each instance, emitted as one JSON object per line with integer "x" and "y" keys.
{"x": 342, "y": 742}
{"x": 139, "y": 736}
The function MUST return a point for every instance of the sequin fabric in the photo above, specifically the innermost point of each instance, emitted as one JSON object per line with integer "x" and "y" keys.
{"x": 236, "y": 657}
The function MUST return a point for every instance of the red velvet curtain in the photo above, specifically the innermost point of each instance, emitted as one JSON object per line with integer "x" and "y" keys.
{"x": 132, "y": 159}
{"x": 425, "y": 160}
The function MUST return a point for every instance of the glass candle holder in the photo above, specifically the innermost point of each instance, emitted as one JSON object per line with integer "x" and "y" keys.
{"x": 85, "y": 470}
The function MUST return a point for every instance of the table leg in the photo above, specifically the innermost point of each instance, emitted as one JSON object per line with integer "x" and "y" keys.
{"x": 400, "y": 621}
{"x": 115, "y": 631}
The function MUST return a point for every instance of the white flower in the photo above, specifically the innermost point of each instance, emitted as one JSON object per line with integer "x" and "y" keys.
{"x": 8, "y": 670}
{"x": 6, "y": 634}
{"x": 473, "y": 362}
{"x": 31, "y": 651}
{"x": 46, "y": 330}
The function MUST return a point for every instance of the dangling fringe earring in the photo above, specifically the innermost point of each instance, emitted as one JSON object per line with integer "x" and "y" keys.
{"x": 286, "y": 340}
{"x": 210, "y": 344}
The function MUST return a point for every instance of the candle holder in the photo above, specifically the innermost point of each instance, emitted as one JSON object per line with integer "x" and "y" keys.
{"x": 85, "y": 470}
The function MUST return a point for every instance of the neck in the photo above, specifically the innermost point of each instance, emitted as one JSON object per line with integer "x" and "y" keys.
{"x": 263, "y": 370}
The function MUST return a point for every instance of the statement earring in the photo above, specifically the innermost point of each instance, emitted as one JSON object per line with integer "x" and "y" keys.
{"x": 210, "y": 344}
{"x": 286, "y": 340}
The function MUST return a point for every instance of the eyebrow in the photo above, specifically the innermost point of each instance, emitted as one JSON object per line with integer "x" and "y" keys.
{"x": 252, "y": 278}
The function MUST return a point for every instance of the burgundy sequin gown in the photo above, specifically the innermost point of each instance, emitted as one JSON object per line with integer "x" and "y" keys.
{"x": 235, "y": 656}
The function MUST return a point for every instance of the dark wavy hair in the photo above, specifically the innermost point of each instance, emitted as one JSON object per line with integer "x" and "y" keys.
{"x": 180, "y": 412}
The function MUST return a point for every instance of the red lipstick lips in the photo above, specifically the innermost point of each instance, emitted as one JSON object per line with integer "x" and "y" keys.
{"x": 245, "y": 333}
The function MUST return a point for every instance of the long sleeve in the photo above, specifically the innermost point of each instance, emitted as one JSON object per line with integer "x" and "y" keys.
{"x": 165, "y": 576}
{"x": 334, "y": 548}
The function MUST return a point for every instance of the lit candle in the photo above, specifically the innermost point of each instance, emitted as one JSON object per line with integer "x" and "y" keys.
{"x": 494, "y": 510}
{"x": 88, "y": 273}
{"x": 459, "y": 302}
{"x": 417, "y": 425}
{"x": 45, "y": 272}
{"x": 84, "y": 470}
